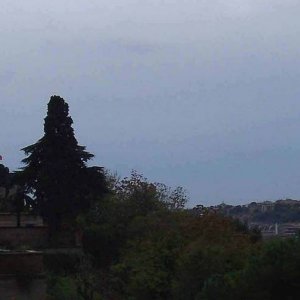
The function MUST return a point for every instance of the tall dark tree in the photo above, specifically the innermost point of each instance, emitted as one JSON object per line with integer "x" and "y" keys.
{"x": 55, "y": 169}
{"x": 4, "y": 176}
{"x": 4, "y": 186}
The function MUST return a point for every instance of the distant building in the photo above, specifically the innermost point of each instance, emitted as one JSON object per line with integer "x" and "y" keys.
{"x": 266, "y": 206}
{"x": 290, "y": 202}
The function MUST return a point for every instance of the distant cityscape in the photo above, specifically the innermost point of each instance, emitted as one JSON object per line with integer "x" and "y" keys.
{"x": 274, "y": 218}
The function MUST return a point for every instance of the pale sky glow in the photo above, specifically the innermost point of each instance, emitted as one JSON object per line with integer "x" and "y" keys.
{"x": 203, "y": 94}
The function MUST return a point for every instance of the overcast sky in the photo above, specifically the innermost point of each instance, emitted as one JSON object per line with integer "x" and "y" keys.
{"x": 198, "y": 93}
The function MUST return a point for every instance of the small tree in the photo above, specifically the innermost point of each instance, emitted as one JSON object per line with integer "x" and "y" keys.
{"x": 55, "y": 169}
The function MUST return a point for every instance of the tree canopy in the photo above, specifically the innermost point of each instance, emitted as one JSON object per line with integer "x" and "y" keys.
{"x": 55, "y": 170}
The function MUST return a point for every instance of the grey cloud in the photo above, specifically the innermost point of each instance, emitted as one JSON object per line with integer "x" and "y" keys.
{"x": 200, "y": 93}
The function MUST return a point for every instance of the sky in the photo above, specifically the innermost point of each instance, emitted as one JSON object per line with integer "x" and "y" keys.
{"x": 198, "y": 93}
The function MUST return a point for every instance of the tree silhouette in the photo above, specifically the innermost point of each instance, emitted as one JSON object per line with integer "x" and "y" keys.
{"x": 55, "y": 171}
{"x": 5, "y": 177}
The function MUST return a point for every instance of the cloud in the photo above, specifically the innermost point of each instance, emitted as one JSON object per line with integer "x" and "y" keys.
{"x": 177, "y": 88}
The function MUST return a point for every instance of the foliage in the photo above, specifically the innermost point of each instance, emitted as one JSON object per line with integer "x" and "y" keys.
{"x": 272, "y": 273}
{"x": 62, "y": 288}
{"x": 62, "y": 263}
{"x": 72, "y": 276}
{"x": 170, "y": 255}
{"x": 88, "y": 279}
{"x": 4, "y": 176}
{"x": 148, "y": 259}
{"x": 55, "y": 169}
{"x": 14, "y": 198}
{"x": 215, "y": 246}
{"x": 149, "y": 249}
{"x": 4, "y": 186}
{"x": 107, "y": 228}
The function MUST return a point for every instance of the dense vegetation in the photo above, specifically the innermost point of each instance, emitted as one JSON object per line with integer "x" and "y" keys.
{"x": 137, "y": 247}
{"x": 138, "y": 239}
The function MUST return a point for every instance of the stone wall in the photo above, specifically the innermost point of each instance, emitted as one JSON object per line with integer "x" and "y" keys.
{"x": 22, "y": 276}
{"x": 10, "y": 220}
{"x": 23, "y": 237}
{"x": 20, "y": 263}
{"x": 12, "y": 288}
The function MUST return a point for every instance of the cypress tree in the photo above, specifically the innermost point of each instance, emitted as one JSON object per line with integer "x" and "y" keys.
{"x": 55, "y": 171}
{"x": 4, "y": 185}
{"x": 4, "y": 176}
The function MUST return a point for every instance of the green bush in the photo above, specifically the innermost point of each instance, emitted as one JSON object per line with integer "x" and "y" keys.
{"x": 62, "y": 263}
{"x": 62, "y": 288}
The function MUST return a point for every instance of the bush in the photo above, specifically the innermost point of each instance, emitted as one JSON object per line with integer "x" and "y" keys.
{"x": 62, "y": 288}
{"x": 62, "y": 263}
